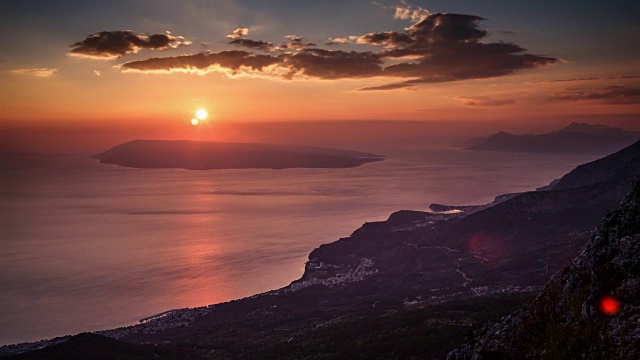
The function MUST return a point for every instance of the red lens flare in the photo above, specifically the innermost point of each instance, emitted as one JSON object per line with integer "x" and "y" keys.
{"x": 609, "y": 305}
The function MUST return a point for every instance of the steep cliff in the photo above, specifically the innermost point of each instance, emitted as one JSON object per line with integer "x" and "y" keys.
{"x": 589, "y": 310}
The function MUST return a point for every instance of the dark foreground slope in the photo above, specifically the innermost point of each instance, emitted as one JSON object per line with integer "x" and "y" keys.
{"x": 576, "y": 138}
{"x": 199, "y": 155}
{"x": 87, "y": 346}
{"x": 568, "y": 320}
{"x": 414, "y": 285}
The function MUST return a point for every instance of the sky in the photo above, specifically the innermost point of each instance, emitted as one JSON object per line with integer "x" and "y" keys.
{"x": 78, "y": 71}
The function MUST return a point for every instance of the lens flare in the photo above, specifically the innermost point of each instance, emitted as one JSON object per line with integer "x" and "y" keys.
{"x": 201, "y": 114}
{"x": 609, "y": 305}
{"x": 195, "y": 122}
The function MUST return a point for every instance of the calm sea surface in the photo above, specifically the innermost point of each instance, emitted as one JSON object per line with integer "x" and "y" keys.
{"x": 87, "y": 246}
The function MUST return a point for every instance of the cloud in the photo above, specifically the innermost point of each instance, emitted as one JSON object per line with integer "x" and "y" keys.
{"x": 436, "y": 47}
{"x": 389, "y": 38}
{"x": 463, "y": 62}
{"x": 485, "y": 101}
{"x": 395, "y": 86}
{"x": 407, "y": 12}
{"x": 342, "y": 40}
{"x": 253, "y": 44}
{"x": 230, "y": 62}
{"x": 334, "y": 64}
{"x": 611, "y": 95}
{"x": 337, "y": 41}
{"x": 625, "y": 77}
{"x": 293, "y": 42}
{"x": 447, "y": 28}
{"x": 316, "y": 63}
{"x": 37, "y": 72}
{"x": 114, "y": 44}
{"x": 563, "y": 80}
{"x": 239, "y": 32}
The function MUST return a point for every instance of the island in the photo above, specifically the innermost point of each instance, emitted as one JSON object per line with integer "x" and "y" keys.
{"x": 201, "y": 155}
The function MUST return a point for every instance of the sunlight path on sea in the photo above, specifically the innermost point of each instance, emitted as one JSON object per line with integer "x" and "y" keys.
{"x": 87, "y": 246}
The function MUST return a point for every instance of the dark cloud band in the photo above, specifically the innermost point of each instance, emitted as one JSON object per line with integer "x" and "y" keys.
{"x": 113, "y": 44}
{"x": 436, "y": 48}
{"x": 612, "y": 95}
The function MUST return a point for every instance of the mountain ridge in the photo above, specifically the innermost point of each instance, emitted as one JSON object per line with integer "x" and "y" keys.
{"x": 572, "y": 139}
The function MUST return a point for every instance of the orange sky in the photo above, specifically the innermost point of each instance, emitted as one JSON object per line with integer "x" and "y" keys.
{"x": 90, "y": 96}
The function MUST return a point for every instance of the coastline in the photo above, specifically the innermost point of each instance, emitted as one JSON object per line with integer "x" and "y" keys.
{"x": 173, "y": 318}
{"x": 181, "y": 311}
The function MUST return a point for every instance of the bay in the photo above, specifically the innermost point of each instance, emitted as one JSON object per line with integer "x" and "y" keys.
{"x": 88, "y": 246}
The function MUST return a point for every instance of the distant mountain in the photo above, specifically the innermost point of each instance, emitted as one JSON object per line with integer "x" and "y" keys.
{"x": 593, "y": 129}
{"x": 199, "y": 155}
{"x": 416, "y": 285}
{"x": 576, "y": 138}
{"x": 589, "y": 310}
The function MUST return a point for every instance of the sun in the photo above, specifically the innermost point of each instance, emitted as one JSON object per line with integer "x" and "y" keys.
{"x": 195, "y": 122}
{"x": 201, "y": 114}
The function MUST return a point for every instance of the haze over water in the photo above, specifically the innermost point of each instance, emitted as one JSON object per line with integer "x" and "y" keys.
{"x": 88, "y": 246}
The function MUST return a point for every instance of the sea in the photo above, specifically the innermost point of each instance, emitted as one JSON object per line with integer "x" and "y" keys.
{"x": 88, "y": 246}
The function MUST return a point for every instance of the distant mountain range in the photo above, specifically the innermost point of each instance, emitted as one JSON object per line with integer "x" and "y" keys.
{"x": 576, "y": 138}
{"x": 419, "y": 285}
{"x": 200, "y": 155}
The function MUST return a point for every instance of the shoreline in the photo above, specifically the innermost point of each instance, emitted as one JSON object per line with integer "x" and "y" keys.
{"x": 183, "y": 316}
{"x": 177, "y": 311}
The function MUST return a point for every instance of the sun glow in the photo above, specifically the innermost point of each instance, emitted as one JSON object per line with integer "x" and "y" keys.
{"x": 201, "y": 114}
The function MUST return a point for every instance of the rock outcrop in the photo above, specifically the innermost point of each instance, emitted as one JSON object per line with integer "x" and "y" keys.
{"x": 589, "y": 310}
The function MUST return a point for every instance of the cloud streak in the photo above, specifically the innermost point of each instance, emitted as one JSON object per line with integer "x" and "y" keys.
{"x": 114, "y": 44}
{"x": 610, "y": 95}
{"x": 436, "y": 47}
{"x": 485, "y": 101}
{"x": 291, "y": 43}
{"x": 625, "y": 77}
{"x": 253, "y": 44}
{"x": 37, "y": 72}
{"x": 315, "y": 63}
{"x": 230, "y": 62}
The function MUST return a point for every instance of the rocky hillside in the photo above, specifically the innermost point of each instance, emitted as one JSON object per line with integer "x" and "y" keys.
{"x": 621, "y": 163}
{"x": 589, "y": 310}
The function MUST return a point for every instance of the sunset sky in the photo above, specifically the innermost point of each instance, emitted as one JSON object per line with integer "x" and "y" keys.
{"x": 151, "y": 64}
